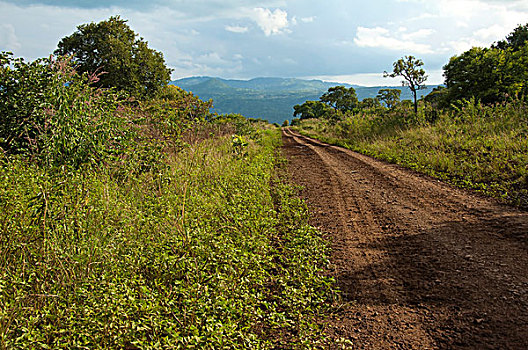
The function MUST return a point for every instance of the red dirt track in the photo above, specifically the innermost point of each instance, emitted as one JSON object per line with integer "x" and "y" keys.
{"x": 421, "y": 265}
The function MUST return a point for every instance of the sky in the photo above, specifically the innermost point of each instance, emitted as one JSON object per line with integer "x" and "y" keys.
{"x": 351, "y": 41}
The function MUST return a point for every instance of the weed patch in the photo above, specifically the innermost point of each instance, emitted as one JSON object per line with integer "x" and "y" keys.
{"x": 202, "y": 252}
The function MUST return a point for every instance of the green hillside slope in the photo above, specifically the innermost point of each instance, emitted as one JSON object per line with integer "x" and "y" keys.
{"x": 270, "y": 98}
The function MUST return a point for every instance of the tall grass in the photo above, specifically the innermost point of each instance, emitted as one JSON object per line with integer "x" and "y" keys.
{"x": 476, "y": 146}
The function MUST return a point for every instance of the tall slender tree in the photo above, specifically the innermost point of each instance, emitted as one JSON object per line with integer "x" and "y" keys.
{"x": 409, "y": 68}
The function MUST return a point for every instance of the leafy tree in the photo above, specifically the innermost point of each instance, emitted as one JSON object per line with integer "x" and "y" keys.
{"x": 286, "y": 123}
{"x": 473, "y": 73}
{"x": 437, "y": 97}
{"x": 312, "y": 109}
{"x": 514, "y": 40}
{"x": 340, "y": 98}
{"x": 391, "y": 97}
{"x": 113, "y": 48}
{"x": 370, "y": 103}
{"x": 488, "y": 74}
{"x": 409, "y": 68}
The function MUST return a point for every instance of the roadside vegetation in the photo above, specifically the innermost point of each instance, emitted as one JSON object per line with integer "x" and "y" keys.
{"x": 471, "y": 132}
{"x": 133, "y": 218}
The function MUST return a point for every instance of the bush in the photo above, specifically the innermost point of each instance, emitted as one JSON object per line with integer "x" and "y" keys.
{"x": 53, "y": 115}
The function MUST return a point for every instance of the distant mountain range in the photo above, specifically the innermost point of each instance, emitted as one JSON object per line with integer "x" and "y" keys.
{"x": 271, "y": 98}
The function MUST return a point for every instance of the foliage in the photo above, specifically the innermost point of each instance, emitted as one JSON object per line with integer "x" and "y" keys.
{"x": 437, "y": 97}
{"x": 391, "y": 97}
{"x": 22, "y": 92}
{"x": 147, "y": 224}
{"x": 112, "y": 48}
{"x": 312, "y": 109}
{"x": 488, "y": 74}
{"x": 414, "y": 76}
{"x": 173, "y": 112}
{"x": 340, "y": 98}
{"x": 285, "y": 123}
{"x": 370, "y": 103}
{"x": 477, "y": 146}
{"x": 515, "y": 40}
{"x": 54, "y": 115}
{"x": 211, "y": 250}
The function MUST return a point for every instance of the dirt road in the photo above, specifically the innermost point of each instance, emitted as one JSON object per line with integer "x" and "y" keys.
{"x": 421, "y": 265}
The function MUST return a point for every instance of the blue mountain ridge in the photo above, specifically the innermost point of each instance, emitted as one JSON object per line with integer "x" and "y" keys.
{"x": 271, "y": 99}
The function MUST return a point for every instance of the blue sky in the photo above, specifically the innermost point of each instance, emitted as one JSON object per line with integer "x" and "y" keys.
{"x": 338, "y": 40}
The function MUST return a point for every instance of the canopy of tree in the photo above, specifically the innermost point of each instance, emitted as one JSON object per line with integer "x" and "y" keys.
{"x": 370, "y": 102}
{"x": 409, "y": 68}
{"x": 391, "y": 97}
{"x": 490, "y": 74}
{"x": 112, "y": 51}
{"x": 311, "y": 109}
{"x": 340, "y": 98}
{"x": 515, "y": 40}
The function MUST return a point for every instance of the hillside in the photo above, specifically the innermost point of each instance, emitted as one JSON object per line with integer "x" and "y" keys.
{"x": 270, "y": 98}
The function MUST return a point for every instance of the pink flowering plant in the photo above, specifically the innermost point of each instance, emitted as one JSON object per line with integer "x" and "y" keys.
{"x": 55, "y": 116}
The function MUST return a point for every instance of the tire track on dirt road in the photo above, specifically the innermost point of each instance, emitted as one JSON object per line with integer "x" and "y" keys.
{"x": 421, "y": 265}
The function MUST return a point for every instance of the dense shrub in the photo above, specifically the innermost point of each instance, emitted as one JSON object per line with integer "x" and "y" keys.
{"x": 53, "y": 115}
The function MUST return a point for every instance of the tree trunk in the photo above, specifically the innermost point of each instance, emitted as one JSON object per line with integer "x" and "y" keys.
{"x": 415, "y": 103}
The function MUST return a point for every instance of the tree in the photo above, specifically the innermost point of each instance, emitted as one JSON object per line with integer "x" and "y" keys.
{"x": 340, "y": 98}
{"x": 515, "y": 39}
{"x": 473, "y": 74}
{"x": 437, "y": 97}
{"x": 370, "y": 103}
{"x": 488, "y": 74}
{"x": 112, "y": 50}
{"x": 391, "y": 97}
{"x": 414, "y": 76}
{"x": 311, "y": 109}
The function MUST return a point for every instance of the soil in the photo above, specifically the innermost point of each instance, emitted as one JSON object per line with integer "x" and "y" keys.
{"x": 420, "y": 264}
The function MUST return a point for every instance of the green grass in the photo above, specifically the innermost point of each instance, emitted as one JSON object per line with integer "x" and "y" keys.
{"x": 210, "y": 249}
{"x": 480, "y": 147}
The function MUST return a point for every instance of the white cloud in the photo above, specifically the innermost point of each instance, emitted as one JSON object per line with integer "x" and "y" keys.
{"x": 375, "y": 79}
{"x": 271, "y": 22}
{"x": 382, "y": 38}
{"x": 493, "y": 33}
{"x": 424, "y": 16}
{"x": 463, "y": 44}
{"x": 420, "y": 34}
{"x": 236, "y": 29}
{"x": 8, "y": 38}
{"x": 308, "y": 19}
{"x": 212, "y": 59}
{"x": 498, "y": 11}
